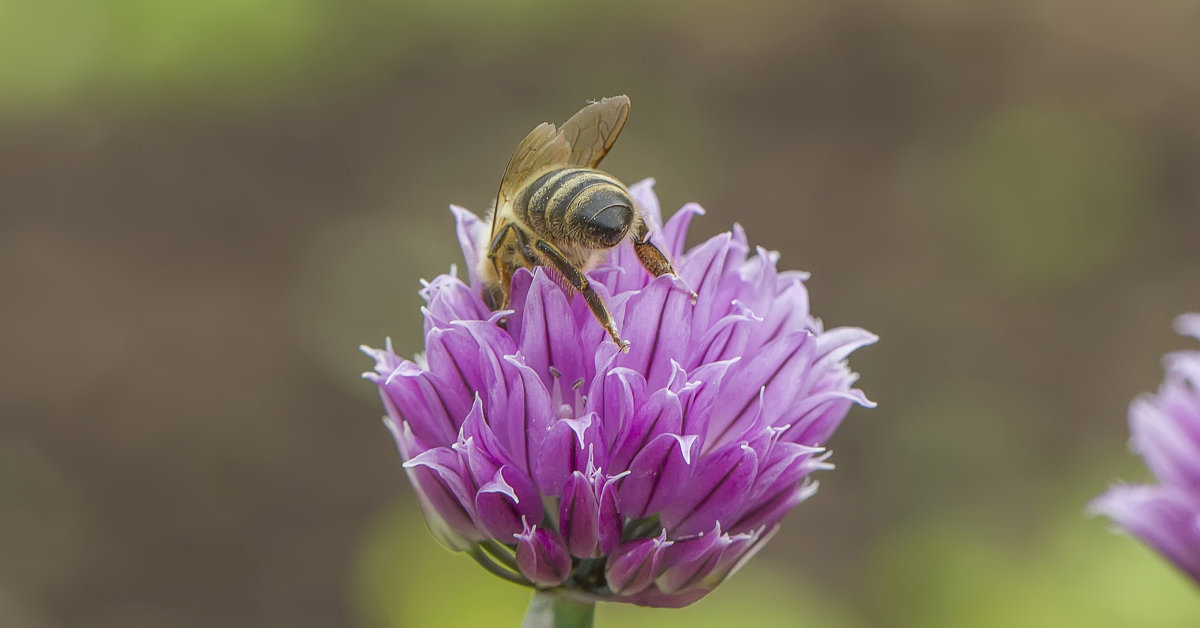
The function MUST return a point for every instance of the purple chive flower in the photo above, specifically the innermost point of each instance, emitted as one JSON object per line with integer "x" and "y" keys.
{"x": 1165, "y": 431}
{"x": 649, "y": 476}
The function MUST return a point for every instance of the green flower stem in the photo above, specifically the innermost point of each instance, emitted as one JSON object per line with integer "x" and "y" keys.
{"x": 487, "y": 563}
{"x": 501, "y": 553}
{"x": 549, "y": 609}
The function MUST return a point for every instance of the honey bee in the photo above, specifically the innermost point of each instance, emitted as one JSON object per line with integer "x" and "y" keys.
{"x": 555, "y": 209}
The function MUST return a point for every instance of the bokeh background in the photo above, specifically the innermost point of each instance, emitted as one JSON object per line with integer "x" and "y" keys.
{"x": 206, "y": 206}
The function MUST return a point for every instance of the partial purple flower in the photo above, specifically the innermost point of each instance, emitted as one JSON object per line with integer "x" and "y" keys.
{"x": 648, "y": 477}
{"x": 1165, "y": 430}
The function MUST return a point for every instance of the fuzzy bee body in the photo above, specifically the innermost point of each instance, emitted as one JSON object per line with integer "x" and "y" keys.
{"x": 577, "y": 205}
{"x": 555, "y": 209}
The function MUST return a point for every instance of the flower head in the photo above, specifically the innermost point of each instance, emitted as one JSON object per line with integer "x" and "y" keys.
{"x": 1165, "y": 431}
{"x": 558, "y": 461}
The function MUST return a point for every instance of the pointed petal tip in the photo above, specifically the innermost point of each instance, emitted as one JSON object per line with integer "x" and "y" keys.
{"x": 617, "y": 477}
{"x": 685, "y": 446}
{"x": 1188, "y": 325}
{"x": 648, "y": 182}
{"x": 1118, "y": 501}
{"x": 421, "y": 459}
{"x": 499, "y": 484}
{"x": 498, "y": 315}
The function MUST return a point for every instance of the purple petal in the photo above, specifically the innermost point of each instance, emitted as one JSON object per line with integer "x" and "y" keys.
{"x": 837, "y": 344}
{"x": 654, "y": 598}
{"x": 528, "y": 413}
{"x": 779, "y": 368}
{"x": 419, "y": 399}
{"x": 1179, "y": 394}
{"x": 614, "y": 397}
{"x": 708, "y": 270}
{"x": 545, "y": 332}
{"x": 635, "y": 564}
{"x": 662, "y": 413}
{"x": 657, "y": 475}
{"x": 785, "y": 466}
{"x": 450, "y": 526}
{"x": 503, "y": 501}
{"x": 566, "y": 448}
{"x": 698, "y": 402}
{"x": 1188, "y": 325}
{"x": 542, "y": 557}
{"x": 1165, "y": 518}
{"x": 762, "y": 279}
{"x": 608, "y": 527}
{"x": 650, "y": 324}
{"x": 479, "y": 350}
{"x": 689, "y": 560}
{"x": 674, "y": 233}
{"x": 448, "y": 299}
{"x": 452, "y": 353}
{"x": 762, "y": 438}
{"x": 742, "y": 548}
{"x": 813, "y": 420}
{"x": 605, "y": 352}
{"x": 406, "y": 442}
{"x": 646, "y": 200}
{"x": 478, "y": 447}
{"x": 490, "y": 344}
{"x": 716, "y": 489}
{"x": 438, "y": 477}
{"x": 471, "y": 232}
{"x": 556, "y": 459}
{"x": 768, "y": 512}
{"x": 726, "y": 339}
{"x": 621, "y": 271}
{"x": 782, "y": 314}
{"x": 385, "y": 360}
{"x": 579, "y": 516}
{"x": 1168, "y": 449}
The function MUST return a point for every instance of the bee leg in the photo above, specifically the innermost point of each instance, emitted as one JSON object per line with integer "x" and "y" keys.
{"x": 651, "y": 257}
{"x": 497, "y": 296}
{"x": 579, "y": 281}
{"x": 492, "y": 297}
{"x": 523, "y": 248}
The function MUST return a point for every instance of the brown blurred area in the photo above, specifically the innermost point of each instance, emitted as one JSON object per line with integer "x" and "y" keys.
{"x": 1006, "y": 192}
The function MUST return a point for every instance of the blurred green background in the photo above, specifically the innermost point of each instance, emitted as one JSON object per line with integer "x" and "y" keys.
{"x": 206, "y": 206}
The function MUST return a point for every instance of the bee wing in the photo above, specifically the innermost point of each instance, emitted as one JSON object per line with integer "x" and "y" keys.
{"x": 542, "y": 147}
{"x": 594, "y": 130}
{"x": 582, "y": 141}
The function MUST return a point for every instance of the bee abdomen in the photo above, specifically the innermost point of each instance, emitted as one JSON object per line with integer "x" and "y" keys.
{"x": 579, "y": 202}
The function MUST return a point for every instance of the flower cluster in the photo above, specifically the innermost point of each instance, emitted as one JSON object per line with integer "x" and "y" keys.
{"x": 560, "y": 462}
{"x": 1165, "y": 430}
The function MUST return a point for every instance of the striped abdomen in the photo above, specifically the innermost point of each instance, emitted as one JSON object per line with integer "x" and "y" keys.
{"x": 577, "y": 206}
